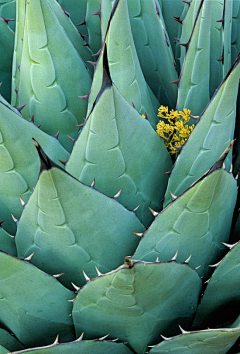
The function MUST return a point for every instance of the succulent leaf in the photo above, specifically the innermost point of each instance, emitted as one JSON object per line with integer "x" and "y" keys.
{"x": 208, "y": 205}
{"x": 137, "y": 302}
{"x": 154, "y": 50}
{"x": 6, "y": 48}
{"x": 108, "y": 149}
{"x": 209, "y": 341}
{"x": 7, "y": 243}
{"x": 235, "y": 40}
{"x": 81, "y": 347}
{"x": 96, "y": 232}
{"x": 50, "y": 65}
{"x": 8, "y": 11}
{"x": 77, "y": 12}
{"x": 93, "y": 25}
{"x": 169, "y": 13}
{"x": 221, "y": 299}
{"x": 19, "y": 163}
{"x": 194, "y": 78}
{"x": 210, "y": 137}
{"x": 39, "y": 309}
{"x": 124, "y": 66}
{"x": 9, "y": 341}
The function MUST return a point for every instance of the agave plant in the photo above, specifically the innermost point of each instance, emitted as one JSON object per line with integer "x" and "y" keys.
{"x": 119, "y": 163}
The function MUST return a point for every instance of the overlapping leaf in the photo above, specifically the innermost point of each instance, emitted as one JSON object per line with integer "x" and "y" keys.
{"x": 81, "y": 347}
{"x": 210, "y": 341}
{"x": 6, "y": 48}
{"x": 75, "y": 227}
{"x": 221, "y": 299}
{"x": 123, "y": 61}
{"x": 154, "y": 50}
{"x": 93, "y": 25}
{"x": 108, "y": 150}
{"x": 196, "y": 224}
{"x": 9, "y": 341}
{"x": 138, "y": 302}
{"x": 210, "y": 137}
{"x": 194, "y": 79}
{"x": 19, "y": 163}
{"x": 50, "y": 66}
{"x": 38, "y": 309}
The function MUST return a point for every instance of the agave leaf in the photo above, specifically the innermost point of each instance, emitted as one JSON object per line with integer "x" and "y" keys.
{"x": 93, "y": 25}
{"x": 169, "y": 13}
{"x": 195, "y": 74}
{"x": 81, "y": 347}
{"x": 3, "y": 350}
{"x": 137, "y": 301}
{"x": 235, "y": 40}
{"x": 66, "y": 220}
{"x": 8, "y": 11}
{"x": 6, "y": 48}
{"x": 187, "y": 27}
{"x": 77, "y": 12}
{"x": 78, "y": 42}
{"x": 154, "y": 50}
{"x": 50, "y": 67}
{"x": 124, "y": 66}
{"x": 220, "y": 57}
{"x": 9, "y": 341}
{"x": 209, "y": 341}
{"x": 221, "y": 299}
{"x": 18, "y": 46}
{"x": 194, "y": 224}
{"x": 7, "y": 243}
{"x": 19, "y": 163}
{"x": 210, "y": 137}
{"x": 108, "y": 151}
{"x": 34, "y": 322}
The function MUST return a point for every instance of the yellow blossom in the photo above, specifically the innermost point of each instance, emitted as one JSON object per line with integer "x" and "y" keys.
{"x": 176, "y": 131}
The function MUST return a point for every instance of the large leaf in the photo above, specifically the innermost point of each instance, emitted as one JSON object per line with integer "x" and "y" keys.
{"x": 76, "y": 227}
{"x": 123, "y": 61}
{"x": 137, "y": 302}
{"x": 210, "y": 137}
{"x": 196, "y": 224}
{"x": 39, "y": 309}
{"x": 194, "y": 79}
{"x": 154, "y": 50}
{"x": 50, "y": 66}
{"x": 19, "y": 163}
{"x": 108, "y": 150}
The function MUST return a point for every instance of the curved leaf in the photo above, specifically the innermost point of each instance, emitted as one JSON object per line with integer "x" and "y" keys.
{"x": 108, "y": 150}
{"x": 39, "y": 309}
{"x": 19, "y": 163}
{"x": 81, "y": 347}
{"x": 196, "y": 224}
{"x": 221, "y": 299}
{"x": 209, "y": 341}
{"x": 6, "y": 48}
{"x": 76, "y": 227}
{"x": 210, "y": 137}
{"x": 50, "y": 67}
{"x": 137, "y": 302}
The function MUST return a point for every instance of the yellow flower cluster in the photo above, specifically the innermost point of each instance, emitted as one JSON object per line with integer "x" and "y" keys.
{"x": 176, "y": 132}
